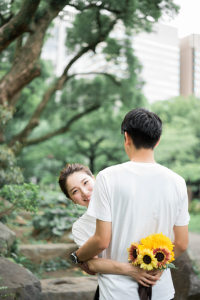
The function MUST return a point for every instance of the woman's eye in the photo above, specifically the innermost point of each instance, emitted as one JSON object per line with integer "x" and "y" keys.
{"x": 74, "y": 192}
{"x": 85, "y": 182}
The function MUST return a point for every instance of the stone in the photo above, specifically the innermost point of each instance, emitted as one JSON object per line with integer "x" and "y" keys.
{"x": 186, "y": 282}
{"x": 21, "y": 283}
{"x": 6, "y": 236}
{"x": 69, "y": 288}
{"x": 46, "y": 252}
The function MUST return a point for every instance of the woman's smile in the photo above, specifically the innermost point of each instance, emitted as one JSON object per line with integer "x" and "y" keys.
{"x": 80, "y": 186}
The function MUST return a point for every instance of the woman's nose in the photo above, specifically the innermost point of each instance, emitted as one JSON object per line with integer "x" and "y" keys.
{"x": 83, "y": 192}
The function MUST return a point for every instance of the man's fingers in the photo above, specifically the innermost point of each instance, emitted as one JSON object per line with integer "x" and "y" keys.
{"x": 147, "y": 281}
{"x": 142, "y": 283}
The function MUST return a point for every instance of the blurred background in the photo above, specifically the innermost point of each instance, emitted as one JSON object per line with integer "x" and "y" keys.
{"x": 69, "y": 74}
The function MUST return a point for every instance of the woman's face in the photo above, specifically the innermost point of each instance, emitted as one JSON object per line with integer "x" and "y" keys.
{"x": 80, "y": 186}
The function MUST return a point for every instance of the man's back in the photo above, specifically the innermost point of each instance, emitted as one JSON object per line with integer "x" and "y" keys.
{"x": 139, "y": 199}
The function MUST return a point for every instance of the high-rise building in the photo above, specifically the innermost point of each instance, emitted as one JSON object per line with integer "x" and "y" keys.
{"x": 159, "y": 53}
{"x": 190, "y": 65}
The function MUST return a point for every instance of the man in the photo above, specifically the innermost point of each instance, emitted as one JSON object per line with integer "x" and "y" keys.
{"x": 131, "y": 201}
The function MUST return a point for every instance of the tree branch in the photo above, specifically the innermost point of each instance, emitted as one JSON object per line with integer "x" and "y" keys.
{"x": 112, "y": 77}
{"x": 62, "y": 129}
{"x": 96, "y": 6}
{"x": 18, "y": 24}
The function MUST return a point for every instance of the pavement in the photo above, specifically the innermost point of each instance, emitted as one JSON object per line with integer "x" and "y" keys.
{"x": 194, "y": 248}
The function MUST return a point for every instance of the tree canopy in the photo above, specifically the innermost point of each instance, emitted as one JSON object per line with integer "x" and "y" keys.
{"x": 23, "y": 29}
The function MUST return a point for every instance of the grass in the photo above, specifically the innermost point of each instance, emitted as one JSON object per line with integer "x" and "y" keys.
{"x": 194, "y": 224}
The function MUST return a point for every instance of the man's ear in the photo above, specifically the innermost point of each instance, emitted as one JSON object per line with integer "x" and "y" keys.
{"x": 127, "y": 139}
{"x": 157, "y": 143}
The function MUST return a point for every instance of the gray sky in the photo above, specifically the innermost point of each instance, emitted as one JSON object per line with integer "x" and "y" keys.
{"x": 188, "y": 19}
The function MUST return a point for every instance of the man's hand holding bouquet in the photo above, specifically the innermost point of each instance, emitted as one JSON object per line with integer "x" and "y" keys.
{"x": 153, "y": 253}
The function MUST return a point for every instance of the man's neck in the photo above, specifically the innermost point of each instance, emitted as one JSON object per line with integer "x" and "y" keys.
{"x": 142, "y": 156}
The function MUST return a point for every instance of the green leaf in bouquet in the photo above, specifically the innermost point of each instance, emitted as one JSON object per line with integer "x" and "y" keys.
{"x": 171, "y": 266}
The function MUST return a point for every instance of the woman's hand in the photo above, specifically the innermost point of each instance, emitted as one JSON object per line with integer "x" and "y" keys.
{"x": 141, "y": 276}
{"x": 85, "y": 268}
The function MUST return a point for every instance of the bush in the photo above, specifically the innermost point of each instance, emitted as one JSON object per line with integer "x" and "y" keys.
{"x": 194, "y": 207}
{"x": 20, "y": 197}
{"x": 58, "y": 215}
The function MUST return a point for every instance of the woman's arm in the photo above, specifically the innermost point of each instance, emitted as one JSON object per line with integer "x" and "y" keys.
{"x": 108, "y": 266}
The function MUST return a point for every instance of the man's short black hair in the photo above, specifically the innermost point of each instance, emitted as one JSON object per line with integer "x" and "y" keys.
{"x": 143, "y": 126}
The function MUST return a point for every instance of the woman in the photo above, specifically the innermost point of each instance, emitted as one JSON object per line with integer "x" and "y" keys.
{"x": 76, "y": 181}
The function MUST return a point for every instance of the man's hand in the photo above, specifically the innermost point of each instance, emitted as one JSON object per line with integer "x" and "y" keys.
{"x": 85, "y": 268}
{"x": 156, "y": 273}
{"x": 141, "y": 276}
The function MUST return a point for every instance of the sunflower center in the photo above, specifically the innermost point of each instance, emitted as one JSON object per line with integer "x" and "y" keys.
{"x": 135, "y": 253}
{"x": 160, "y": 256}
{"x": 147, "y": 259}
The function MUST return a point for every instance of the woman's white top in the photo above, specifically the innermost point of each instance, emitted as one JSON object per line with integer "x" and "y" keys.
{"x": 83, "y": 229}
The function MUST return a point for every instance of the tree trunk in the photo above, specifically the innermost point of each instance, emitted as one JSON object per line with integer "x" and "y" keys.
{"x": 25, "y": 66}
{"x": 190, "y": 193}
{"x": 91, "y": 163}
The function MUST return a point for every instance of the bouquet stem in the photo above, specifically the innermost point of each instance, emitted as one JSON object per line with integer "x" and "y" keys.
{"x": 145, "y": 292}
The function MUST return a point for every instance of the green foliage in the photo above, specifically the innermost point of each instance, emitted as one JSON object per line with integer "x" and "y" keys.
{"x": 9, "y": 172}
{"x": 20, "y": 197}
{"x": 56, "y": 264}
{"x": 58, "y": 216}
{"x": 6, "y": 114}
{"x": 194, "y": 224}
{"x": 179, "y": 147}
{"x": 194, "y": 207}
{"x": 92, "y": 23}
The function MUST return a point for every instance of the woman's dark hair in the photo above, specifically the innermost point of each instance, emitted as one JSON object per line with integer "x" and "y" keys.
{"x": 69, "y": 170}
{"x": 143, "y": 126}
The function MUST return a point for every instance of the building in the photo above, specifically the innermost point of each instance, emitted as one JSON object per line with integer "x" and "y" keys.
{"x": 190, "y": 65}
{"x": 159, "y": 54}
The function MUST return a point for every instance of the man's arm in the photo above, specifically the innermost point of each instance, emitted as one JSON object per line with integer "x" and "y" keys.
{"x": 108, "y": 266}
{"x": 97, "y": 243}
{"x": 180, "y": 239}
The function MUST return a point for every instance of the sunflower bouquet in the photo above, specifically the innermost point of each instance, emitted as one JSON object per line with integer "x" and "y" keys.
{"x": 153, "y": 252}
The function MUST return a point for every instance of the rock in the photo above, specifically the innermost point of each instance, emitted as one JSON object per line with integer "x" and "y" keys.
{"x": 7, "y": 236}
{"x": 186, "y": 283}
{"x": 20, "y": 282}
{"x": 69, "y": 288}
{"x": 36, "y": 253}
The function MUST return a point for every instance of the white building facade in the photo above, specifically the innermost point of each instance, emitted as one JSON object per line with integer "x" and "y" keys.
{"x": 159, "y": 54}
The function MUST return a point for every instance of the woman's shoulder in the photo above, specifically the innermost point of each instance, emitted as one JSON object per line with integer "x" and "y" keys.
{"x": 84, "y": 220}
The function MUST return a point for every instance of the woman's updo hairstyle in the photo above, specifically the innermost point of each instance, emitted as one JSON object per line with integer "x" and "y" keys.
{"x": 69, "y": 170}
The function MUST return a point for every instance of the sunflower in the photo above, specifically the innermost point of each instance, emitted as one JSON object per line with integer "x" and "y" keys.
{"x": 163, "y": 256}
{"x": 147, "y": 242}
{"x": 133, "y": 253}
{"x": 161, "y": 240}
{"x": 147, "y": 260}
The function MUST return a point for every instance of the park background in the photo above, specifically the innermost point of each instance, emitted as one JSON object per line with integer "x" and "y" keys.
{"x": 69, "y": 73}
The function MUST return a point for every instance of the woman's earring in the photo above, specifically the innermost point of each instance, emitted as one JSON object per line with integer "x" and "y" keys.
{"x": 75, "y": 207}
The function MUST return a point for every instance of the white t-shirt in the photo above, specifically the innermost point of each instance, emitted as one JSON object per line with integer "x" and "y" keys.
{"x": 83, "y": 229}
{"x": 139, "y": 199}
